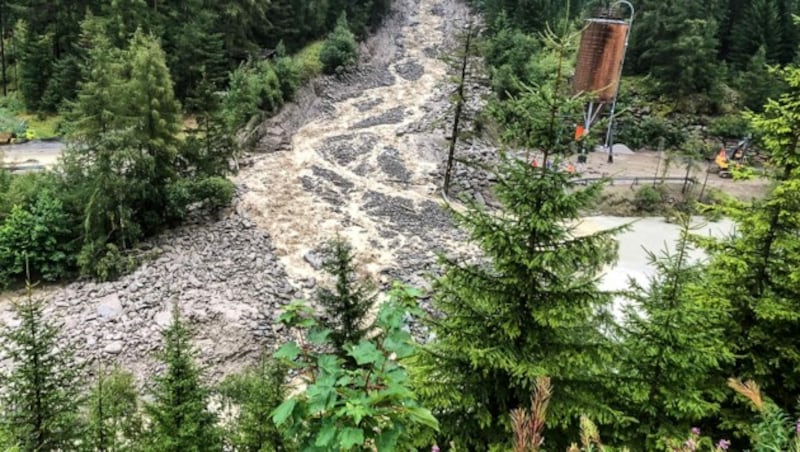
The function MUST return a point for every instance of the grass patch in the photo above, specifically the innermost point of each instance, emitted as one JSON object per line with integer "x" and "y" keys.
{"x": 41, "y": 126}
{"x": 307, "y": 61}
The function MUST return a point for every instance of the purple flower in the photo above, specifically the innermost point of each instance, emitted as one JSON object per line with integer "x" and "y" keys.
{"x": 723, "y": 444}
{"x": 695, "y": 431}
{"x": 797, "y": 427}
{"x": 435, "y": 448}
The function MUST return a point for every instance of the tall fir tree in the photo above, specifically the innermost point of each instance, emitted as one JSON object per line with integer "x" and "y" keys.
{"x": 155, "y": 113}
{"x": 115, "y": 422}
{"x": 756, "y": 269}
{"x": 531, "y": 306}
{"x": 347, "y": 304}
{"x": 678, "y": 46}
{"x": 674, "y": 348}
{"x": 257, "y": 393}
{"x": 180, "y": 419}
{"x": 41, "y": 397}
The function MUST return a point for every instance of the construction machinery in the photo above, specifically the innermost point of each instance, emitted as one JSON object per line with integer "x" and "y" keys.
{"x": 730, "y": 156}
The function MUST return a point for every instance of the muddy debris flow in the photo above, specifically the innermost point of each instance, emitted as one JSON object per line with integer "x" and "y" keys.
{"x": 359, "y": 156}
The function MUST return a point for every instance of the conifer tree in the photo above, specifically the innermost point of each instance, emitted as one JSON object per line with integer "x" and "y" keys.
{"x": 531, "y": 307}
{"x": 180, "y": 419}
{"x": 757, "y": 269}
{"x": 40, "y": 400}
{"x": 256, "y": 393}
{"x": 347, "y": 305}
{"x": 340, "y": 50}
{"x": 115, "y": 423}
{"x": 153, "y": 108}
{"x": 674, "y": 349}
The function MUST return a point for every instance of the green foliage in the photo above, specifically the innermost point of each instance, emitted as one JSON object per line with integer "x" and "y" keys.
{"x": 253, "y": 89}
{"x": 758, "y": 82}
{"x": 729, "y": 126}
{"x": 674, "y": 348}
{"x": 773, "y": 429}
{"x": 212, "y": 193}
{"x": 530, "y": 309}
{"x": 34, "y": 61}
{"x": 104, "y": 261}
{"x": 256, "y": 393}
{"x": 180, "y": 419}
{"x": 755, "y": 269}
{"x": 115, "y": 422}
{"x": 288, "y": 73}
{"x": 649, "y": 198}
{"x": 352, "y": 408}
{"x": 649, "y": 131}
{"x": 340, "y": 50}
{"x": 307, "y": 61}
{"x": 347, "y": 305}
{"x": 40, "y": 392}
{"x": 36, "y": 238}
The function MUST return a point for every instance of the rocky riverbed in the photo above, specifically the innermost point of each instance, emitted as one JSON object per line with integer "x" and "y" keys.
{"x": 359, "y": 156}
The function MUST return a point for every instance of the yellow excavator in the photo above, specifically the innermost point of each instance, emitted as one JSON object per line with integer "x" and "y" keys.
{"x": 726, "y": 157}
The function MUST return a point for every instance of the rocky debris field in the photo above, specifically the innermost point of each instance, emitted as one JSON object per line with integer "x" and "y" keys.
{"x": 359, "y": 155}
{"x": 225, "y": 279}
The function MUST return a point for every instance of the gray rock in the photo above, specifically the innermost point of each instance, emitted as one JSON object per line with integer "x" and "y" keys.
{"x": 313, "y": 259}
{"x": 113, "y": 348}
{"x": 109, "y": 307}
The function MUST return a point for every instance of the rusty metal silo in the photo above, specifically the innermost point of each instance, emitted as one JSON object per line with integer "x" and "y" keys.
{"x": 600, "y": 57}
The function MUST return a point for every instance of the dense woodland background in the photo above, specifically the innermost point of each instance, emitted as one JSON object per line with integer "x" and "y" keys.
{"x": 150, "y": 96}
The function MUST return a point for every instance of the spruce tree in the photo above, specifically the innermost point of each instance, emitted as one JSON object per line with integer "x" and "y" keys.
{"x": 155, "y": 112}
{"x": 756, "y": 270}
{"x": 256, "y": 393}
{"x": 347, "y": 304}
{"x": 530, "y": 307}
{"x": 115, "y": 422}
{"x": 340, "y": 50}
{"x": 41, "y": 399}
{"x": 674, "y": 347}
{"x": 180, "y": 419}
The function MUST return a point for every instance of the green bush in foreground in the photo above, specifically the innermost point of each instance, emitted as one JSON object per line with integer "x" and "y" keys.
{"x": 340, "y": 50}
{"x": 350, "y": 408}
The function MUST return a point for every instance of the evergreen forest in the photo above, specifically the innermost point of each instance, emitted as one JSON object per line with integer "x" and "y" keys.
{"x": 514, "y": 346}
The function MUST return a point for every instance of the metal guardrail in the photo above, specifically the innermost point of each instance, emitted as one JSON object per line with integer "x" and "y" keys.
{"x": 637, "y": 180}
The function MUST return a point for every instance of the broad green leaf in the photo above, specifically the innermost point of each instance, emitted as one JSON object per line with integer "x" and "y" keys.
{"x": 366, "y": 353}
{"x": 357, "y": 411}
{"x": 318, "y": 336}
{"x": 350, "y": 437}
{"x": 387, "y": 440}
{"x": 423, "y": 416}
{"x": 289, "y": 351}
{"x": 326, "y": 435}
{"x": 284, "y": 410}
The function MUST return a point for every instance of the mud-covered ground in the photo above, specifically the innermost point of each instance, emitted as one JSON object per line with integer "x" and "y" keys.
{"x": 358, "y": 156}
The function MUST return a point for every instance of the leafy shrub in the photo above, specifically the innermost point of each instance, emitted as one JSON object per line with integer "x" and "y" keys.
{"x": 214, "y": 192}
{"x": 307, "y": 61}
{"x": 648, "y": 198}
{"x": 729, "y": 126}
{"x": 340, "y": 50}
{"x": 23, "y": 190}
{"x": 104, "y": 261}
{"x": 178, "y": 199}
{"x": 647, "y": 132}
{"x": 351, "y": 409}
{"x": 257, "y": 392}
{"x": 287, "y": 72}
{"x": 252, "y": 89}
{"x": 39, "y": 237}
